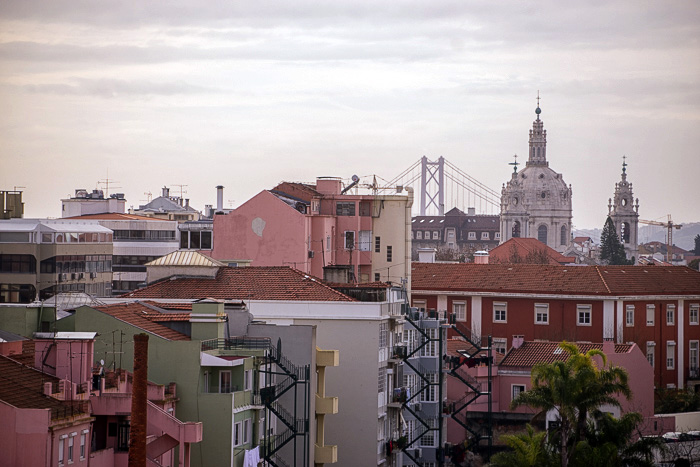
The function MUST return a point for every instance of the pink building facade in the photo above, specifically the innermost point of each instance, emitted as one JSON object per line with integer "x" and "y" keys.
{"x": 309, "y": 227}
{"x": 62, "y": 413}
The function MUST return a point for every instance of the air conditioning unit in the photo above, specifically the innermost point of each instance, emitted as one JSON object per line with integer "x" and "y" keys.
{"x": 81, "y": 275}
{"x": 418, "y": 453}
{"x": 93, "y": 275}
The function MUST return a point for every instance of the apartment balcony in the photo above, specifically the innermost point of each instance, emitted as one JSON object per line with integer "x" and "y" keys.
{"x": 326, "y": 405}
{"x": 693, "y": 373}
{"x": 326, "y": 454}
{"x": 327, "y": 357}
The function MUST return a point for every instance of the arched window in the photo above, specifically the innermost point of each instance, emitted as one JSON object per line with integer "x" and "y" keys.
{"x": 516, "y": 229}
{"x": 625, "y": 232}
{"x": 542, "y": 234}
{"x": 563, "y": 235}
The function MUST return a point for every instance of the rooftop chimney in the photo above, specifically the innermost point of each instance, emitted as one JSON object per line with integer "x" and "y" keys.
{"x": 426, "y": 255}
{"x": 139, "y": 402}
{"x": 471, "y": 211}
{"x": 518, "y": 341}
{"x": 608, "y": 346}
{"x": 219, "y": 198}
{"x": 166, "y": 192}
{"x": 481, "y": 257}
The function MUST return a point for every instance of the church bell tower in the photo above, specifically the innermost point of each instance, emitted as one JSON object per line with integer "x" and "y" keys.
{"x": 623, "y": 209}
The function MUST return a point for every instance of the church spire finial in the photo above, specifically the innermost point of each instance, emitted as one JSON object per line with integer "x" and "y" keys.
{"x": 624, "y": 164}
{"x": 514, "y": 163}
{"x": 538, "y": 110}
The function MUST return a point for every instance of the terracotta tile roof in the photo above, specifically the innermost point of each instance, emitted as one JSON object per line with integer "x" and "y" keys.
{"x": 361, "y": 285}
{"x": 158, "y": 317}
{"x": 522, "y": 247}
{"x": 455, "y": 345}
{"x": 115, "y": 216}
{"x": 558, "y": 280}
{"x": 137, "y": 314}
{"x": 251, "y": 283}
{"x": 533, "y": 352}
{"x": 581, "y": 239}
{"x": 23, "y": 387}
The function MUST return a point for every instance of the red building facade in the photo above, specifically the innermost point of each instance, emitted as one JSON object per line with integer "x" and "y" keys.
{"x": 656, "y": 307}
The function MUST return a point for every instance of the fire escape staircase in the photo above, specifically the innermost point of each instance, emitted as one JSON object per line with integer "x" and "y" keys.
{"x": 296, "y": 425}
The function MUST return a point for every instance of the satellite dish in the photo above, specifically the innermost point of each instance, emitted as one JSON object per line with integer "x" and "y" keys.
{"x": 355, "y": 178}
{"x": 102, "y": 362}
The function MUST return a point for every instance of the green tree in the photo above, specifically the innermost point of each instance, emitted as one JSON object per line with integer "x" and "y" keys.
{"x": 611, "y": 442}
{"x": 529, "y": 449}
{"x": 611, "y": 250}
{"x": 696, "y": 250}
{"x": 574, "y": 387}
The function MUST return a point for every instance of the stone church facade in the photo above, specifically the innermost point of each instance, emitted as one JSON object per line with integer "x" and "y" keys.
{"x": 623, "y": 210}
{"x": 536, "y": 202}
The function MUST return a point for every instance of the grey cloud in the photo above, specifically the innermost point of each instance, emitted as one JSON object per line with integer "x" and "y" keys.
{"x": 111, "y": 88}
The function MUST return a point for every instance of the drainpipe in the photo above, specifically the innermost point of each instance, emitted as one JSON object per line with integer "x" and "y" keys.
{"x": 407, "y": 246}
{"x": 139, "y": 403}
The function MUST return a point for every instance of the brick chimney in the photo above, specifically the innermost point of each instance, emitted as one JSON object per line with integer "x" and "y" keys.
{"x": 139, "y": 403}
{"x": 518, "y": 341}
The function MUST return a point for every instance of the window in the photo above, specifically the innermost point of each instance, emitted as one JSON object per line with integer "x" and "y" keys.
{"x": 428, "y": 439}
{"x": 670, "y": 315}
{"x": 541, "y": 313}
{"x": 500, "y": 314}
{"x": 82, "y": 445}
{"x": 237, "y": 434}
{"x": 471, "y": 235}
{"x": 18, "y": 264}
{"x": 584, "y": 315}
{"x": 451, "y": 233}
{"x": 650, "y": 315}
{"x": 419, "y": 235}
{"x": 499, "y": 344}
{"x": 693, "y": 358}
{"x": 328, "y": 243}
{"x": 383, "y": 334}
{"x": 460, "y": 310}
{"x": 246, "y": 431}
{"x": 343, "y": 208}
{"x": 365, "y": 240}
{"x": 381, "y": 383}
{"x": 484, "y": 235}
{"x": 376, "y": 277}
{"x": 497, "y": 236}
{"x": 670, "y": 355}
{"x": 71, "y": 440}
{"x": 542, "y": 234}
{"x": 629, "y": 315}
{"x": 516, "y": 389}
{"x": 225, "y": 382}
{"x": 377, "y": 245}
{"x": 693, "y": 312}
{"x": 61, "y": 443}
{"x": 349, "y": 239}
{"x": 436, "y": 235}
{"x": 516, "y": 229}
{"x": 389, "y": 254}
{"x": 206, "y": 382}
{"x": 248, "y": 380}
{"x": 562, "y": 240}
{"x": 651, "y": 345}
{"x": 430, "y": 392}
{"x": 430, "y": 349}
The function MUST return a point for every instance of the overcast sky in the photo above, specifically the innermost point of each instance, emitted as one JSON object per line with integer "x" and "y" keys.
{"x": 247, "y": 94}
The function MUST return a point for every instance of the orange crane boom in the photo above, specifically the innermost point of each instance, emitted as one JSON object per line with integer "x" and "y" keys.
{"x": 669, "y": 236}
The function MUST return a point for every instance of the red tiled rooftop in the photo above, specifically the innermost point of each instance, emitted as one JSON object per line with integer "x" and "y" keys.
{"x": 22, "y": 386}
{"x": 139, "y": 315}
{"x": 522, "y": 247}
{"x": 251, "y": 283}
{"x": 558, "y": 280}
{"x": 533, "y": 352}
{"x": 455, "y": 345}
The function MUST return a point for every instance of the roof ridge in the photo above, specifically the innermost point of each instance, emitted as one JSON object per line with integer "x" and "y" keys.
{"x": 605, "y": 283}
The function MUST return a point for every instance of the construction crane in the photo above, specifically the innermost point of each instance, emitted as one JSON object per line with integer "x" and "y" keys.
{"x": 669, "y": 237}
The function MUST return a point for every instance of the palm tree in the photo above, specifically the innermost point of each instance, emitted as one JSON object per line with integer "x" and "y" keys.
{"x": 574, "y": 388}
{"x": 528, "y": 449}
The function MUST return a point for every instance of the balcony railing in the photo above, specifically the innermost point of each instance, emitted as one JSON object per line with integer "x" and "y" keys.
{"x": 693, "y": 372}
{"x": 235, "y": 343}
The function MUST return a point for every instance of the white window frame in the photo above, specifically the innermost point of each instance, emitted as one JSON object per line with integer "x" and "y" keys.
{"x": 693, "y": 348}
{"x": 83, "y": 438}
{"x": 651, "y": 311}
{"x": 520, "y": 388}
{"x": 246, "y": 430}
{"x": 71, "y": 444}
{"x": 670, "y": 355}
{"x": 248, "y": 380}
{"x": 694, "y": 314}
{"x": 237, "y": 434}
{"x": 629, "y": 315}
{"x": 471, "y": 236}
{"x": 497, "y": 236}
{"x": 485, "y": 236}
{"x": 500, "y": 344}
{"x": 651, "y": 352}
{"x": 670, "y": 315}
{"x": 419, "y": 235}
{"x": 460, "y": 310}
{"x": 436, "y": 235}
{"x": 581, "y": 312}
{"x": 542, "y": 311}
{"x": 61, "y": 450}
{"x": 498, "y": 308}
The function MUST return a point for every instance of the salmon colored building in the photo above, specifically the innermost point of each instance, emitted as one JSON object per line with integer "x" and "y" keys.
{"x": 309, "y": 227}
{"x": 655, "y": 307}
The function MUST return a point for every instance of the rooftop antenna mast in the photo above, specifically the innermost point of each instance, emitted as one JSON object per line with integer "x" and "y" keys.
{"x": 182, "y": 190}
{"x": 106, "y": 183}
